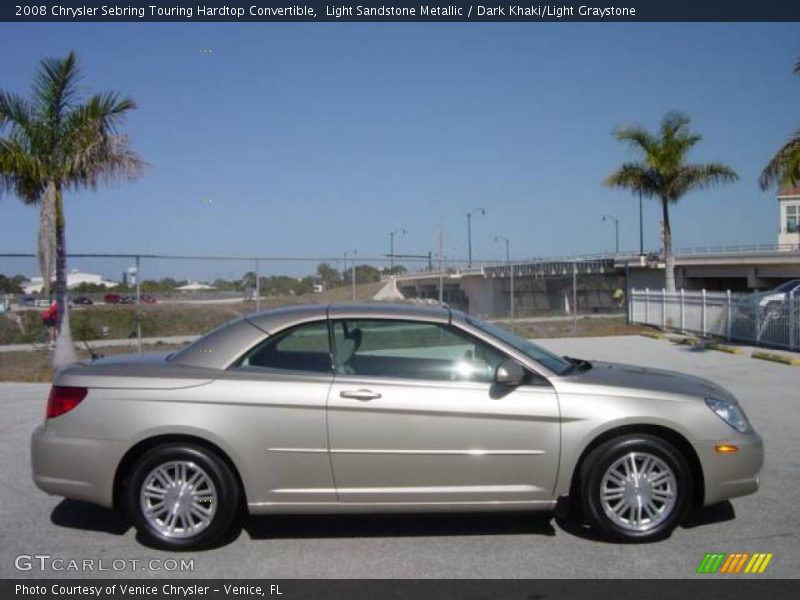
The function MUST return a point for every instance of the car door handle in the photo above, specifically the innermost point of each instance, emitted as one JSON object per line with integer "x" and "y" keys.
{"x": 360, "y": 394}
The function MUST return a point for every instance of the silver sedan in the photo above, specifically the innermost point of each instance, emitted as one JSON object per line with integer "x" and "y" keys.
{"x": 367, "y": 408}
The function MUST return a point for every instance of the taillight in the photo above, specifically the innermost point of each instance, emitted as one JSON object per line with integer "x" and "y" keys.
{"x": 63, "y": 399}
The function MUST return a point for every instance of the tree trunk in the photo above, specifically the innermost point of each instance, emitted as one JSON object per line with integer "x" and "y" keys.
{"x": 46, "y": 249}
{"x": 669, "y": 261}
{"x": 65, "y": 349}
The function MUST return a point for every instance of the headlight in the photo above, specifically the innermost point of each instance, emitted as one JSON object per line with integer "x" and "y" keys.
{"x": 731, "y": 413}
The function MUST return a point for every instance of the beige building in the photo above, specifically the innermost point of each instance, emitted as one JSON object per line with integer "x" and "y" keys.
{"x": 789, "y": 232}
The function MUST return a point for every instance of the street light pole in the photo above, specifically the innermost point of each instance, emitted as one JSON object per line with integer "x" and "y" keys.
{"x": 616, "y": 230}
{"x": 497, "y": 238}
{"x": 401, "y": 231}
{"x": 482, "y": 212}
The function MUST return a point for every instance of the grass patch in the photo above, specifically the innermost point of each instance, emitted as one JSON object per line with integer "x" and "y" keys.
{"x": 159, "y": 320}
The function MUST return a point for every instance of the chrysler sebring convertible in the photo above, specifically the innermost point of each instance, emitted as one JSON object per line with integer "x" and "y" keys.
{"x": 373, "y": 407}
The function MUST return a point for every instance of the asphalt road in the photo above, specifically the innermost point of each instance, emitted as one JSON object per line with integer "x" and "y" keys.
{"x": 460, "y": 546}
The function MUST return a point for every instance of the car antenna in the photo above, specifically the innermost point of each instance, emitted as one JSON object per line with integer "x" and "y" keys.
{"x": 92, "y": 353}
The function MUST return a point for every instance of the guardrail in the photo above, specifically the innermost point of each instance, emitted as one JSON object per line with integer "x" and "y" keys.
{"x": 762, "y": 319}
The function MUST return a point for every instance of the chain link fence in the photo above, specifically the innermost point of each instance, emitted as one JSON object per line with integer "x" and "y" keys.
{"x": 146, "y": 297}
{"x": 764, "y": 319}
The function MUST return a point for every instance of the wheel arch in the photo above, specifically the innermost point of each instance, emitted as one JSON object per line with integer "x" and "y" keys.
{"x": 665, "y": 433}
{"x": 141, "y": 447}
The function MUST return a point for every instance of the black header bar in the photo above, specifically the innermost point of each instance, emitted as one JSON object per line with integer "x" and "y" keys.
{"x": 393, "y": 11}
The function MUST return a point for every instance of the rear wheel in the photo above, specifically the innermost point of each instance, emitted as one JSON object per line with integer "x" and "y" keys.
{"x": 181, "y": 496}
{"x": 635, "y": 488}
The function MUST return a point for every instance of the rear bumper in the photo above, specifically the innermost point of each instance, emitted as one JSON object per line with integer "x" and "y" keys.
{"x": 731, "y": 475}
{"x": 76, "y": 468}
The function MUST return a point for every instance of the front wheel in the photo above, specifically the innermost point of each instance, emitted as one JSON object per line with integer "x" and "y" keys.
{"x": 635, "y": 488}
{"x": 181, "y": 497}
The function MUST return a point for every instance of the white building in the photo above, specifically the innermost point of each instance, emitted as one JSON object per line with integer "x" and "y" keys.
{"x": 195, "y": 287}
{"x": 74, "y": 279}
{"x": 789, "y": 231}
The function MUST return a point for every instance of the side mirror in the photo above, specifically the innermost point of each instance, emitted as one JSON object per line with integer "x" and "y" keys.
{"x": 510, "y": 373}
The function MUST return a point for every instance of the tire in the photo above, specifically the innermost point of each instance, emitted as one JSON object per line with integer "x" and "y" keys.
{"x": 635, "y": 488}
{"x": 192, "y": 495}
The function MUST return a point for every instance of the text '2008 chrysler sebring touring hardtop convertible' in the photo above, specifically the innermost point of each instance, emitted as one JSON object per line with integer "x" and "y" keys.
{"x": 366, "y": 408}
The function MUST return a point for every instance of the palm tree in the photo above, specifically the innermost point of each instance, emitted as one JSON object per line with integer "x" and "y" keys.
{"x": 784, "y": 168}
{"x": 53, "y": 142}
{"x": 663, "y": 174}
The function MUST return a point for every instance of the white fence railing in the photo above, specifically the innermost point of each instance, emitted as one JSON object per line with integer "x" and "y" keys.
{"x": 764, "y": 319}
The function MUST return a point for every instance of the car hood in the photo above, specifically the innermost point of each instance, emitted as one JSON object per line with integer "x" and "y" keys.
{"x": 150, "y": 370}
{"x": 631, "y": 380}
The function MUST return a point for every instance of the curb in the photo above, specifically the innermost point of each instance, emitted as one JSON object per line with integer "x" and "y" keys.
{"x": 684, "y": 341}
{"x": 778, "y": 358}
{"x": 723, "y": 348}
{"x": 653, "y": 335}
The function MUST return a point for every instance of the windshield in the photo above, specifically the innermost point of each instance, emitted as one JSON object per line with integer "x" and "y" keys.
{"x": 788, "y": 286}
{"x": 556, "y": 364}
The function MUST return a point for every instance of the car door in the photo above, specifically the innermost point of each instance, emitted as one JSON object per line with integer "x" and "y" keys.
{"x": 414, "y": 416}
{"x": 278, "y": 423}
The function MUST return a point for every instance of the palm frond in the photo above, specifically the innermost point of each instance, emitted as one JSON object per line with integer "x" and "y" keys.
{"x": 673, "y": 122}
{"x": 635, "y": 177}
{"x": 103, "y": 112}
{"x": 637, "y": 138}
{"x": 20, "y": 171}
{"x": 16, "y": 113}
{"x": 784, "y": 167}
{"x": 104, "y": 160}
{"x": 55, "y": 86}
{"x": 695, "y": 177}
{"x": 797, "y": 67}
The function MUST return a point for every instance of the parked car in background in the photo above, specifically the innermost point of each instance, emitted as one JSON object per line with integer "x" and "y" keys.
{"x": 148, "y": 299}
{"x": 773, "y": 300}
{"x": 82, "y": 301}
{"x": 112, "y": 298}
{"x": 127, "y": 300}
{"x": 29, "y": 301}
{"x": 382, "y": 408}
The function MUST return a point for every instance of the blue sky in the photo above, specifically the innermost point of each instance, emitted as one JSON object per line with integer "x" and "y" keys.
{"x": 311, "y": 139}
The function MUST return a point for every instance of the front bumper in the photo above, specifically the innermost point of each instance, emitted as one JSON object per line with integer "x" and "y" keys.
{"x": 730, "y": 475}
{"x": 76, "y": 468}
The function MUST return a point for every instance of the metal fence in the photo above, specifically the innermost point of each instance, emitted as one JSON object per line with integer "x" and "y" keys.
{"x": 763, "y": 319}
{"x": 149, "y": 296}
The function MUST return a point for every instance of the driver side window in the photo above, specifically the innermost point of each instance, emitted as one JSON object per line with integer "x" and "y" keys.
{"x": 411, "y": 350}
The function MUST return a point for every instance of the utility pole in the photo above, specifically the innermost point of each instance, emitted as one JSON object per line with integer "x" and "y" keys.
{"x": 258, "y": 286}
{"x": 401, "y": 231}
{"x": 138, "y": 303}
{"x": 441, "y": 265}
{"x": 482, "y": 212}
{"x": 352, "y": 253}
{"x": 575, "y": 297}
